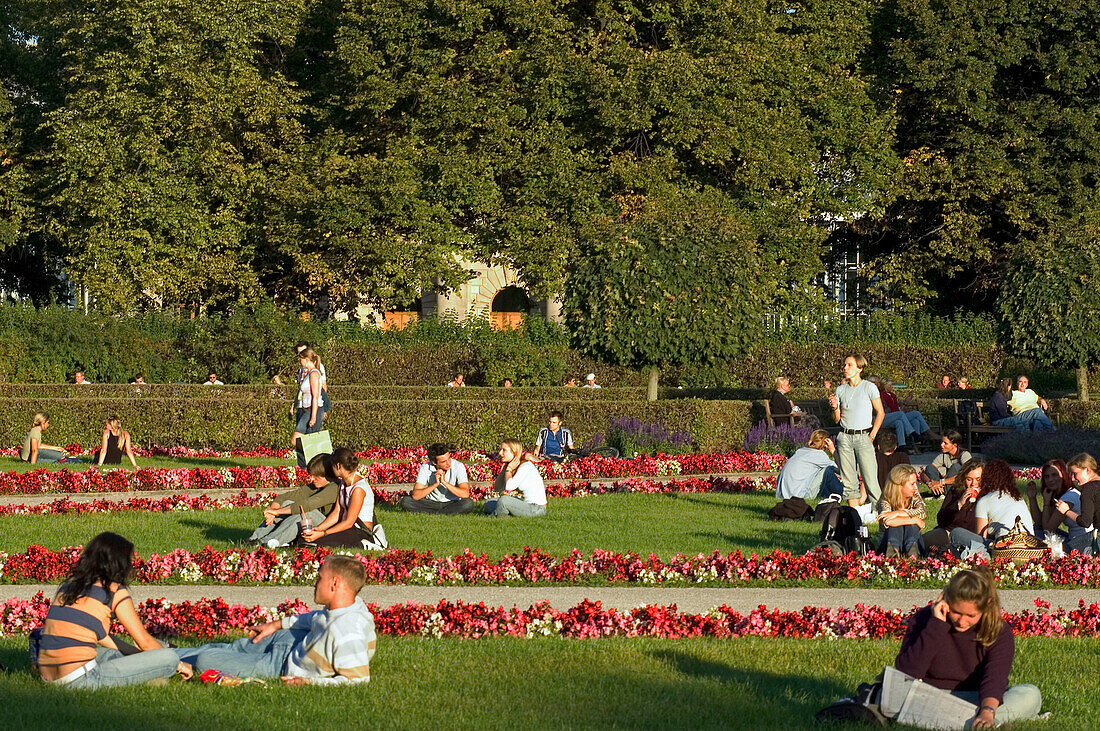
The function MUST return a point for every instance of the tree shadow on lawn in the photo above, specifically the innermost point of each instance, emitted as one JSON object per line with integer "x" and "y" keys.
{"x": 14, "y": 660}
{"x": 774, "y": 540}
{"x": 778, "y": 696}
{"x": 216, "y": 532}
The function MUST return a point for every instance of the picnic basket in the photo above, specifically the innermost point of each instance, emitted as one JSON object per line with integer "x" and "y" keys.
{"x": 1018, "y": 545}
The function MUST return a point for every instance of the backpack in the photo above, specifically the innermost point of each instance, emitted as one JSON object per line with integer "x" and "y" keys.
{"x": 841, "y": 526}
{"x": 793, "y": 508}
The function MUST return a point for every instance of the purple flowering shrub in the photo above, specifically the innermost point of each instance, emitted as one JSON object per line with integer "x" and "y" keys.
{"x": 780, "y": 439}
{"x": 633, "y": 436}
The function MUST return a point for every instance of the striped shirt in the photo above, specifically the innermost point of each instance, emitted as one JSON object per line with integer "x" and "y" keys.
{"x": 72, "y": 631}
{"x": 915, "y": 509}
{"x": 338, "y": 648}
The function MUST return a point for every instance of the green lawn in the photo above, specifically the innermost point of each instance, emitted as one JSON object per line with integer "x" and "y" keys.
{"x": 664, "y": 524}
{"x": 12, "y": 464}
{"x": 759, "y": 683}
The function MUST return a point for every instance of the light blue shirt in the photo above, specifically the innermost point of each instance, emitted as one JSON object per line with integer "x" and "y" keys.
{"x": 800, "y": 472}
{"x": 856, "y": 410}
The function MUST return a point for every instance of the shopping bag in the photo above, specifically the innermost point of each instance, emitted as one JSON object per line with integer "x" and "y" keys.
{"x": 315, "y": 443}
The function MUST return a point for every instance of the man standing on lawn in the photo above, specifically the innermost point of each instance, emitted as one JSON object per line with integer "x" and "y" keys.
{"x": 324, "y": 647}
{"x": 857, "y": 407}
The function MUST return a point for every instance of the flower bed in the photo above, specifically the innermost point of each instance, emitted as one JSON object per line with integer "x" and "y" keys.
{"x": 535, "y": 566}
{"x": 214, "y": 617}
{"x": 244, "y": 499}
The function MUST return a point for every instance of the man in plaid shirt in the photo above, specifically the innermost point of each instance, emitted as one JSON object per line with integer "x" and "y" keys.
{"x": 327, "y": 646}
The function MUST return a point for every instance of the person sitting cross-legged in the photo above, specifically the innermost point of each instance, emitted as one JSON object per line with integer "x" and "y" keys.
{"x": 351, "y": 523}
{"x": 314, "y": 500}
{"x": 947, "y": 464}
{"x": 442, "y": 485}
{"x": 901, "y": 513}
{"x": 554, "y": 441}
{"x": 328, "y": 646}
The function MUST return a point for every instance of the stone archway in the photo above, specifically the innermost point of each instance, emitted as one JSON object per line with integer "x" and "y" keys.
{"x": 508, "y": 307}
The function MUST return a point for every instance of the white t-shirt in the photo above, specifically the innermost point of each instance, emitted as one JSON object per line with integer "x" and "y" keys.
{"x": 305, "y": 395}
{"x": 1073, "y": 498}
{"x": 591, "y": 385}
{"x": 528, "y": 481}
{"x": 856, "y": 410}
{"x": 455, "y": 475}
{"x": 1001, "y": 511}
{"x": 1022, "y": 401}
{"x": 366, "y": 513}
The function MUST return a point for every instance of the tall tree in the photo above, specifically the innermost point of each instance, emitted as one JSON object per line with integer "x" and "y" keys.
{"x": 1050, "y": 301}
{"x": 999, "y": 134}
{"x": 677, "y": 281}
{"x": 174, "y": 124}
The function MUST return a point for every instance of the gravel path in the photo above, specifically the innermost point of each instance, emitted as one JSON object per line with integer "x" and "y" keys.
{"x": 692, "y": 600}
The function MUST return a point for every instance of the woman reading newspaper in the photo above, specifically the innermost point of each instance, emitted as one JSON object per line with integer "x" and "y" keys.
{"x": 962, "y": 650}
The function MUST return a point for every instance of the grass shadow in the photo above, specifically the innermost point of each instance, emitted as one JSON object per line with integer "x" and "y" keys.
{"x": 217, "y": 532}
{"x": 14, "y": 660}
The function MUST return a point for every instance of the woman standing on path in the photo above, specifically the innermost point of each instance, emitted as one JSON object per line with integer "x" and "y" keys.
{"x": 76, "y": 648}
{"x": 307, "y": 414}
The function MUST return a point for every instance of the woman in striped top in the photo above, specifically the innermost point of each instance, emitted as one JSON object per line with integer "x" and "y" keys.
{"x": 901, "y": 513}
{"x": 76, "y": 648}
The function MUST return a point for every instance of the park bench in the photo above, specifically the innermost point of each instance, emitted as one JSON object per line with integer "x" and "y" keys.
{"x": 820, "y": 409}
{"x": 973, "y": 420}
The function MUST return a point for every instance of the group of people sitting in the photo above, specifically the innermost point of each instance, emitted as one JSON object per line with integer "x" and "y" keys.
{"x": 335, "y": 507}
{"x": 959, "y": 643}
{"x": 76, "y": 649}
{"x": 981, "y": 501}
{"x": 115, "y": 443}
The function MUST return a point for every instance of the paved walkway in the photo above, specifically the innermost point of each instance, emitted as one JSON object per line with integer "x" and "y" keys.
{"x": 692, "y": 600}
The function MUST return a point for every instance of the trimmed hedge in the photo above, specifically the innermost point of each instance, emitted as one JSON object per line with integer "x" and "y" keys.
{"x": 338, "y": 392}
{"x": 243, "y": 424}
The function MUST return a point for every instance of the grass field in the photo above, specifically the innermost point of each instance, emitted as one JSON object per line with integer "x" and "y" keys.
{"x": 758, "y": 683}
{"x": 664, "y": 524}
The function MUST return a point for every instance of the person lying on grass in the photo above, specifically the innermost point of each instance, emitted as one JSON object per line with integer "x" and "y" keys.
{"x": 34, "y": 450}
{"x": 519, "y": 485}
{"x": 75, "y": 647}
{"x": 116, "y": 442}
{"x": 961, "y": 643}
{"x": 314, "y": 501}
{"x": 350, "y": 524}
{"x": 327, "y": 646}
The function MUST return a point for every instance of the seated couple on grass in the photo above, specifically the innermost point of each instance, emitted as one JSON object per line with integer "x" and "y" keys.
{"x": 328, "y": 646}
{"x": 340, "y": 510}
{"x": 962, "y": 649}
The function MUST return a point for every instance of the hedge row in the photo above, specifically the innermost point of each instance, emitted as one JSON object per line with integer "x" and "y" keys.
{"x": 243, "y": 424}
{"x": 337, "y": 391}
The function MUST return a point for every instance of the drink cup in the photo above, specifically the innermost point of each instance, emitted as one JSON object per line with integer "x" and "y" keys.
{"x": 307, "y": 524}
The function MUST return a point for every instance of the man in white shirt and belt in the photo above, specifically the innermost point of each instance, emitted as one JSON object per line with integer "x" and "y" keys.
{"x": 857, "y": 407}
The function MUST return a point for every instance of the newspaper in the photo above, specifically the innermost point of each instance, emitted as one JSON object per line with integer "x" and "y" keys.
{"x": 915, "y": 703}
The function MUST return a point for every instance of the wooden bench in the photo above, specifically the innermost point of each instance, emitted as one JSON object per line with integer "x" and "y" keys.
{"x": 973, "y": 422}
{"x": 817, "y": 408}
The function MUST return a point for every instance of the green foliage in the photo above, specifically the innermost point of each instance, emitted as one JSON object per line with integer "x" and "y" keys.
{"x": 245, "y": 423}
{"x": 999, "y": 139}
{"x": 1050, "y": 302}
{"x": 887, "y": 327}
{"x": 681, "y": 283}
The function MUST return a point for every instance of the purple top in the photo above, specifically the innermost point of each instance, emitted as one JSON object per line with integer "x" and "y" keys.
{"x": 939, "y": 655}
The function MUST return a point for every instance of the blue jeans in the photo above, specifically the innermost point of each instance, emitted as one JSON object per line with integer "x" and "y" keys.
{"x": 511, "y": 505}
{"x": 901, "y": 537}
{"x": 286, "y": 530}
{"x": 243, "y": 658}
{"x": 917, "y": 422}
{"x": 935, "y": 475}
{"x": 853, "y": 450}
{"x": 1033, "y": 419}
{"x": 49, "y": 456}
{"x": 896, "y": 420}
{"x": 114, "y": 669}
{"x": 1020, "y": 702}
{"x": 830, "y": 483}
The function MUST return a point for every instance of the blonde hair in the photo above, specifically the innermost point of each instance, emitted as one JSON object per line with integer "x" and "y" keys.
{"x": 818, "y": 439}
{"x": 349, "y": 569}
{"x": 113, "y": 421}
{"x": 891, "y": 493}
{"x": 1085, "y": 461}
{"x": 781, "y": 380}
{"x": 40, "y": 418}
{"x": 978, "y": 587}
{"x": 312, "y": 357}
